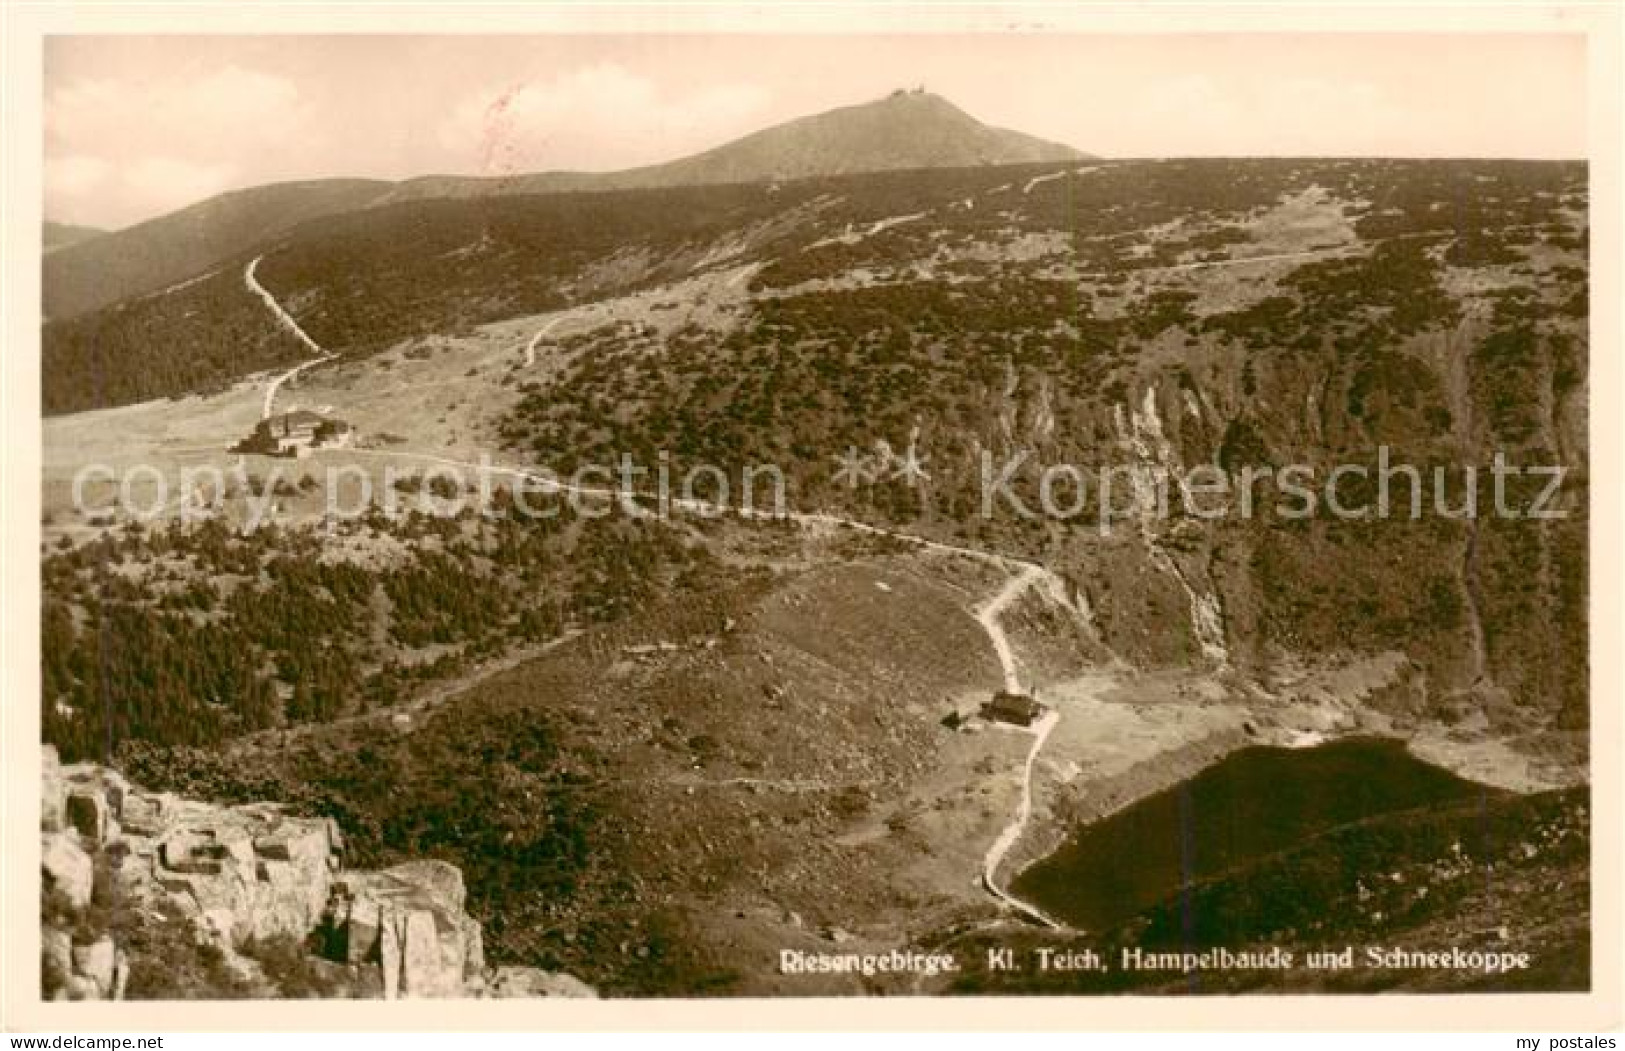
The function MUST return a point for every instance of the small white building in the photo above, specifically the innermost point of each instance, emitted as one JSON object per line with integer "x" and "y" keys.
{"x": 296, "y": 433}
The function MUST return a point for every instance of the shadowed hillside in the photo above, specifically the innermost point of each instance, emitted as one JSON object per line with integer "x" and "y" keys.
{"x": 55, "y": 236}
{"x": 173, "y": 248}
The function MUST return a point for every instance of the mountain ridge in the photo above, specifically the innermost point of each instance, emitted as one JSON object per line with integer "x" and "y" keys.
{"x": 55, "y": 235}
{"x": 903, "y": 131}
{"x": 180, "y": 245}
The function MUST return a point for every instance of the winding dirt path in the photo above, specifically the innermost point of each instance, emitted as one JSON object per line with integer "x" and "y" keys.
{"x": 292, "y": 326}
{"x": 987, "y": 615}
{"x": 530, "y": 348}
{"x": 1012, "y": 832}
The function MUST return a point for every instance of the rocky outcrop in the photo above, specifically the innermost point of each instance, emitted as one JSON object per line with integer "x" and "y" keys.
{"x": 244, "y": 874}
{"x": 96, "y": 970}
{"x": 410, "y": 921}
{"x": 66, "y": 869}
{"x": 53, "y": 799}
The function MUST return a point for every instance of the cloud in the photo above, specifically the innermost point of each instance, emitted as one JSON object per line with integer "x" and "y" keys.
{"x": 122, "y": 148}
{"x": 1280, "y": 116}
{"x": 94, "y": 191}
{"x": 597, "y": 117}
{"x": 220, "y": 110}
{"x": 74, "y": 175}
{"x": 161, "y": 184}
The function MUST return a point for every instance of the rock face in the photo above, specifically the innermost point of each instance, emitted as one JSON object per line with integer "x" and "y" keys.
{"x": 97, "y": 962}
{"x": 247, "y": 873}
{"x": 52, "y": 803}
{"x": 250, "y": 872}
{"x": 94, "y": 971}
{"x": 66, "y": 868}
{"x": 527, "y": 982}
{"x": 410, "y": 921}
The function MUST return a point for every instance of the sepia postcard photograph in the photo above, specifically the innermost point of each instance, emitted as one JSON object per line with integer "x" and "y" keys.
{"x": 715, "y": 506}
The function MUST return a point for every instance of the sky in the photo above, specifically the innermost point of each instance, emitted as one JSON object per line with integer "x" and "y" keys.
{"x": 136, "y": 126}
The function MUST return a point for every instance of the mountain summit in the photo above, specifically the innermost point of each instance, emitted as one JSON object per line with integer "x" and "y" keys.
{"x": 907, "y": 129}
{"x": 904, "y": 130}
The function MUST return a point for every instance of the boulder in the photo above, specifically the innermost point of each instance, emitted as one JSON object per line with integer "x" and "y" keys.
{"x": 289, "y": 897}
{"x": 428, "y": 969}
{"x": 299, "y": 842}
{"x": 217, "y": 926}
{"x": 410, "y": 921}
{"x": 335, "y": 836}
{"x": 146, "y": 814}
{"x": 96, "y": 961}
{"x": 90, "y": 778}
{"x": 121, "y": 975}
{"x": 66, "y": 868}
{"x": 56, "y": 956}
{"x": 389, "y": 956}
{"x": 420, "y": 957}
{"x": 115, "y": 788}
{"x": 441, "y": 879}
{"x": 250, "y": 871}
{"x": 269, "y": 872}
{"x": 360, "y": 931}
{"x": 473, "y": 949}
{"x": 90, "y": 814}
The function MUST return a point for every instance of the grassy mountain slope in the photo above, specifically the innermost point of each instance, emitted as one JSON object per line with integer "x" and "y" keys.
{"x": 60, "y": 235}
{"x": 1236, "y": 313}
{"x": 192, "y": 340}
